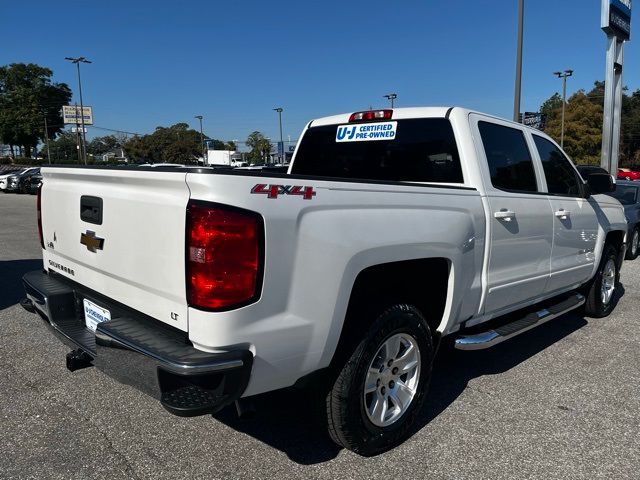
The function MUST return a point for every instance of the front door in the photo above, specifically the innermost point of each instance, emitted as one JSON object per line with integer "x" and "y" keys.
{"x": 575, "y": 223}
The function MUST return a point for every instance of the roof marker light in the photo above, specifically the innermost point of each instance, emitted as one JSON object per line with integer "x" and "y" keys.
{"x": 371, "y": 116}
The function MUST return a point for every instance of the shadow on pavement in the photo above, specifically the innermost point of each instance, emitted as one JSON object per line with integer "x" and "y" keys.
{"x": 286, "y": 420}
{"x": 11, "y": 272}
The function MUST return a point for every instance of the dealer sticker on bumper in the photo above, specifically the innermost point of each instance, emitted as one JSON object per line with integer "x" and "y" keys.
{"x": 93, "y": 315}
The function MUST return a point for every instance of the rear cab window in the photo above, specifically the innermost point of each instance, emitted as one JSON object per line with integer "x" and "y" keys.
{"x": 405, "y": 150}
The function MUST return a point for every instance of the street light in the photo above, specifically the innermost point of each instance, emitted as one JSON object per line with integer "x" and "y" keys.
{"x": 200, "y": 117}
{"x": 78, "y": 61}
{"x": 281, "y": 144}
{"x": 391, "y": 97}
{"x": 518, "y": 89}
{"x": 563, "y": 76}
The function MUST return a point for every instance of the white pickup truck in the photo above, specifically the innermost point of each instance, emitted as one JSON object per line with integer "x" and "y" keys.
{"x": 391, "y": 230}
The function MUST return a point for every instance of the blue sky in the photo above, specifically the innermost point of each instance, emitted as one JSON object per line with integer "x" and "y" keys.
{"x": 159, "y": 63}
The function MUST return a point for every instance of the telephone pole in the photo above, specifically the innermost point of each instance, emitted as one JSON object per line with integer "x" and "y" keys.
{"x": 78, "y": 61}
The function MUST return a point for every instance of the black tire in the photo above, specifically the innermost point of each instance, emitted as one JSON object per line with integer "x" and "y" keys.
{"x": 348, "y": 423}
{"x": 632, "y": 250}
{"x": 594, "y": 306}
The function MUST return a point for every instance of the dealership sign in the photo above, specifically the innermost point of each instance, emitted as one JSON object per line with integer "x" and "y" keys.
{"x": 71, "y": 115}
{"x": 616, "y": 18}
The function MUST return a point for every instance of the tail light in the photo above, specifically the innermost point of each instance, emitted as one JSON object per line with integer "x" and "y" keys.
{"x": 224, "y": 256}
{"x": 371, "y": 115}
{"x": 39, "y": 208}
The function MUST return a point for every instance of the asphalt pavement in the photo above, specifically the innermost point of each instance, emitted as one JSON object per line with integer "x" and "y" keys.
{"x": 561, "y": 401}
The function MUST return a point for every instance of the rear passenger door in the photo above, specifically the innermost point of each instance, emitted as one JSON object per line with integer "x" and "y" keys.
{"x": 521, "y": 221}
{"x": 575, "y": 223}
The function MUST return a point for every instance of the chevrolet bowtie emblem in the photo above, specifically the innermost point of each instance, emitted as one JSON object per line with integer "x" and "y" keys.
{"x": 92, "y": 242}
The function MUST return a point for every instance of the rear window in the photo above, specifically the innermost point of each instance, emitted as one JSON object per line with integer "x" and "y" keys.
{"x": 423, "y": 150}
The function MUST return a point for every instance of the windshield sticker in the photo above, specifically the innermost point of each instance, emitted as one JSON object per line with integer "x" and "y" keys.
{"x": 367, "y": 132}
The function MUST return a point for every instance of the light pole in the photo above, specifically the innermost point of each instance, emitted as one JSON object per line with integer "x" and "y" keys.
{"x": 281, "y": 144}
{"x": 78, "y": 61}
{"x": 391, "y": 97}
{"x": 200, "y": 117}
{"x": 563, "y": 76}
{"x": 518, "y": 89}
{"x": 46, "y": 135}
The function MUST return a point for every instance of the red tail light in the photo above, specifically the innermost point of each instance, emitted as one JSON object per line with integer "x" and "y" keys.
{"x": 224, "y": 256}
{"x": 39, "y": 208}
{"x": 371, "y": 115}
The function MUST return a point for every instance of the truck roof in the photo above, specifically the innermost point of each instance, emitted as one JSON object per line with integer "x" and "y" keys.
{"x": 398, "y": 113}
{"x": 410, "y": 112}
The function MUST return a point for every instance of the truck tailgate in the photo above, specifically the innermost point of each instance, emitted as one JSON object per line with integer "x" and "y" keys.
{"x": 135, "y": 252}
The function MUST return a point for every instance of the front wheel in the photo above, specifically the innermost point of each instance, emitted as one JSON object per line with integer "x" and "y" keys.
{"x": 600, "y": 297}
{"x": 381, "y": 389}
{"x": 634, "y": 245}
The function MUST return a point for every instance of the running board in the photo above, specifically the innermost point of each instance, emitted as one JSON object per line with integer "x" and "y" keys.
{"x": 480, "y": 341}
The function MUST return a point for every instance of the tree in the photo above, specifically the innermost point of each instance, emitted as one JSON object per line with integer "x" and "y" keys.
{"x": 552, "y": 106}
{"x": 102, "y": 145}
{"x": 260, "y": 147}
{"x": 583, "y": 128}
{"x": 64, "y": 149}
{"x": 27, "y": 96}
{"x": 175, "y": 144}
{"x": 630, "y": 141}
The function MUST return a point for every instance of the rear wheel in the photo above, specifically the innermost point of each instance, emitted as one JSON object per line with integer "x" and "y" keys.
{"x": 600, "y": 297}
{"x": 634, "y": 245}
{"x": 380, "y": 390}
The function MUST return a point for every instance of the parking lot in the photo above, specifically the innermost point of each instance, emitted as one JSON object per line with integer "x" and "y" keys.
{"x": 561, "y": 401}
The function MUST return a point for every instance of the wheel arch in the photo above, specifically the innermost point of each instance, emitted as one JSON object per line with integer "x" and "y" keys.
{"x": 423, "y": 283}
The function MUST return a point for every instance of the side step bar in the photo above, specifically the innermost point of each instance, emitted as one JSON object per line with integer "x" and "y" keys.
{"x": 482, "y": 340}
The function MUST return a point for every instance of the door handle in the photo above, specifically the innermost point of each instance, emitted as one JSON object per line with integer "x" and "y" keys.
{"x": 506, "y": 215}
{"x": 563, "y": 214}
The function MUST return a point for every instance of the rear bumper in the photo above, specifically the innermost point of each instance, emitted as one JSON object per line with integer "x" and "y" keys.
{"x": 139, "y": 351}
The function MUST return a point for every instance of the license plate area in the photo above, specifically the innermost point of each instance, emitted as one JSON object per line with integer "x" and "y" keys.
{"x": 94, "y": 314}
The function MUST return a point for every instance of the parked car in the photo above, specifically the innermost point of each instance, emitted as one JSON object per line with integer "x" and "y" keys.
{"x": 4, "y": 178}
{"x": 628, "y": 174}
{"x": 19, "y": 182}
{"x": 391, "y": 230}
{"x": 627, "y": 194}
{"x": 33, "y": 183}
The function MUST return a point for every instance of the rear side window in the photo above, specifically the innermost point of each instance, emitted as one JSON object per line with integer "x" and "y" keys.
{"x": 509, "y": 159}
{"x": 423, "y": 150}
{"x": 562, "y": 179}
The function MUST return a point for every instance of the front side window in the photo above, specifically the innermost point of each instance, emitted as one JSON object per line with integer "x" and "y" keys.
{"x": 560, "y": 174}
{"x": 509, "y": 159}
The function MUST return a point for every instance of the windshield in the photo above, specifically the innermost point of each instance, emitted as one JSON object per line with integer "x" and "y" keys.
{"x": 418, "y": 150}
{"x": 626, "y": 195}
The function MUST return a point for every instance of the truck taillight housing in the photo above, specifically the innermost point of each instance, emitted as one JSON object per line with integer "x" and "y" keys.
{"x": 39, "y": 209}
{"x": 224, "y": 251}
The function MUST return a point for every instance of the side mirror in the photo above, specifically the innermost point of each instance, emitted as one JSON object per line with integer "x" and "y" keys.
{"x": 600, "y": 183}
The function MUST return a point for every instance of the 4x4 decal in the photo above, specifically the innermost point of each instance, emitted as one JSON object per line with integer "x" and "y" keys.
{"x": 272, "y": 191}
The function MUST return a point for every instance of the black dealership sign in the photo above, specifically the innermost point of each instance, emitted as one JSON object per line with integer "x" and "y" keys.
{"x": 616, "y": 18}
